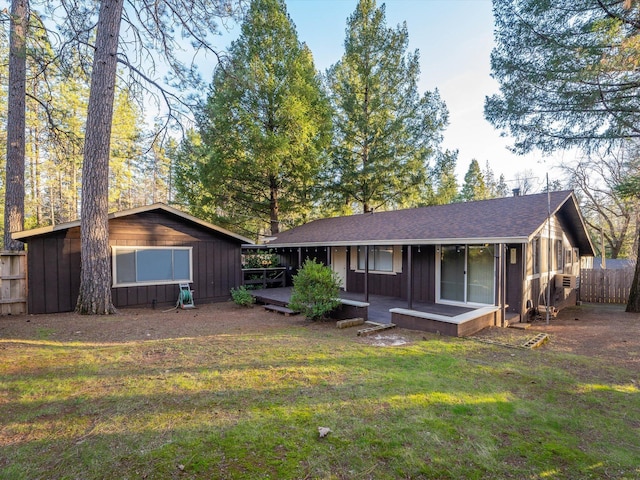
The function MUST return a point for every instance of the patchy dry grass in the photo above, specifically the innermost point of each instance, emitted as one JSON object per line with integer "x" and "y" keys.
{"x": 247, "y": 403}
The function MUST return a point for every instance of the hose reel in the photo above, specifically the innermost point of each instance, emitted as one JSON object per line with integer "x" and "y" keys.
{"x": 185, "y": 297}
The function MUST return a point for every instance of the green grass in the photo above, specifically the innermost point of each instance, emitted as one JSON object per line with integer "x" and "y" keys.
{"x": 248, "y": 406}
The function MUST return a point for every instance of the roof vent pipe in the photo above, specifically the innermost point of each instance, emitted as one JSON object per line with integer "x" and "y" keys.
{"x": 516, "y": 192}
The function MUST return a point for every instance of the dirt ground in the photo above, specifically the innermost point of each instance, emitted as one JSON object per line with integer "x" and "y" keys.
{"x": 603, "y": 331}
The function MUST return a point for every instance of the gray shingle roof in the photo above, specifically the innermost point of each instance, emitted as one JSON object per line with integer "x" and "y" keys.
{"x": 514, "y": 219}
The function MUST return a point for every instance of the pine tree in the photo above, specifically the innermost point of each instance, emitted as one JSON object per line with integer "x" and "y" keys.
{"x": 95, "y": 275}
{"x": 444, "y": 179}
{"x": 568, "y": 72}
{"x": 502, "y": 190}
{"x": 125, "y": 166}
{"x": 385, "y": 131}
{"x": 15, "y": 160}
{"x": 265, "y": 127}
{"x": 474, "y": 187}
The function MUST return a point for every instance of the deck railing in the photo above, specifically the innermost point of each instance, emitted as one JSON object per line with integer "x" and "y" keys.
{"x": 264, "y": 277}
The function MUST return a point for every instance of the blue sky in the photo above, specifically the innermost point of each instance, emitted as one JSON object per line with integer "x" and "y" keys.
{"x": 454, "y": 38}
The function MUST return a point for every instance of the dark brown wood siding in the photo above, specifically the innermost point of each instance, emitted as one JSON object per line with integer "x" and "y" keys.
{"x": 391, "y": 284}
{"x": 54, "y": 263}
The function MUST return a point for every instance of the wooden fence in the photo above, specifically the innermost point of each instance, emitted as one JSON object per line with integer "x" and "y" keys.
{"x": 605, "y": 286}
{"x": 13, "y": 283}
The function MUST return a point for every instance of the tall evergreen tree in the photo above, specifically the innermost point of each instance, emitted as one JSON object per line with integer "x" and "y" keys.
{"x": 630, "y": 188}
{"x": 4, "y": 83}
{"x": 385, "y": 130}
{"x": 95, "y": 273}
{"x": 502, "y": 190}
{"x": 445, "y": 183}
{"x": 152, "y": 25}
{"x": 15, "y": 160}
{"x": 474, "y": 186}
{"x": 568, "y": 72}
{"x": 125, "y": 165}
{"x": 266, "y": 127}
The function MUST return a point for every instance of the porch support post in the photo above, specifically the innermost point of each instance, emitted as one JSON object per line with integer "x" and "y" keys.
{"x": 505, "y": 259}
{"x": 499, "y": 283}
{"x": 366, "y": 273}
{"x": 299, "y": 258}
{"x": 409, "y": 277}
{"x": 502, "y": 282}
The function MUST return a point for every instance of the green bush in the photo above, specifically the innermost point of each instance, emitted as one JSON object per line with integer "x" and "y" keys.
{"x": 266, "y": 259}
{"x": 315, "y": 290}
{"x": 242, "y": 297}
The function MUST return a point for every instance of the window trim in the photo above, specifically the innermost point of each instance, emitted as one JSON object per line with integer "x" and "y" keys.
{"x": 536, "y": 253}
{"x": 136, "y": 249}
{"x": 438, "y": 264}
{"x": 559, "y": 254}
{"x": 396, "y": 259}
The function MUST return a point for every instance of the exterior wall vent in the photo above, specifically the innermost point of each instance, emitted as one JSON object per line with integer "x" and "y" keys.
{"x": 566, "y": 281}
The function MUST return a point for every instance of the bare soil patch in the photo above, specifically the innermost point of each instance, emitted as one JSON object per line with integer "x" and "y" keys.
{"x": 601, "y": 331}
{"x": 145, "y": 324}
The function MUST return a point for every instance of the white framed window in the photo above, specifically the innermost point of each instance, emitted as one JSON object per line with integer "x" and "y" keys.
{"x": 535, "y": 252}
{"x": 380, "y": 258}
{"x": 559, "y": 252}
{"x": 568, "y": 256}
{"x": 137, "y": 266}
{"x": 383, "y": 259}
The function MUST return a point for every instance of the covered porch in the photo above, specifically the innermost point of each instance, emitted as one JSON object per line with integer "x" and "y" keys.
{"x": 431, "y": 317}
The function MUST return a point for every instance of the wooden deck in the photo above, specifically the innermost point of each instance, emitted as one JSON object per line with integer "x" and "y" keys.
{"x": 379, "y": 305}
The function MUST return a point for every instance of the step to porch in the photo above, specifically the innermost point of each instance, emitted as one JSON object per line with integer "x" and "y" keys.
{"x": 279, "y": 309}
{"x": 520, "y": 325}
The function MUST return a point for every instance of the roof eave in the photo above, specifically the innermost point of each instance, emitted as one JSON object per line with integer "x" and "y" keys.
{"x": 430, "y": 241}
{"x": 132, "y": 211}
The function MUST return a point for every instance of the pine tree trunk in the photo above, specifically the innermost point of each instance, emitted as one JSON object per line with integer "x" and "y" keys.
{"x": 14, "y": 193}
{"x": 95, "y": 276}
{"x": 274, "y": 207}
{"x": 633, "y": 303}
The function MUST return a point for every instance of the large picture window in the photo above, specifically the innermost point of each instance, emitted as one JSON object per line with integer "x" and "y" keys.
{"x": 151, "y": 265}
{"x": 380, "y": 258}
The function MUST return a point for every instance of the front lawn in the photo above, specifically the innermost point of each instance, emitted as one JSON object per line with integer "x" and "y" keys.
{"x": 248, "y": 404}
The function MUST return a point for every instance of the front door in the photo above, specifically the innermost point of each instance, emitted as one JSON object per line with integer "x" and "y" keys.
{"x": 339, "y": 264}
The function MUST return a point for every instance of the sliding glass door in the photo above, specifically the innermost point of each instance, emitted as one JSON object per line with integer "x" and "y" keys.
{"x": 452, "y": 273}
{"x": 467, "y": 273}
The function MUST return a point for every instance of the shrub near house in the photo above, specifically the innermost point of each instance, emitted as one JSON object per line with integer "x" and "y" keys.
{"x": 315, "y": 290}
